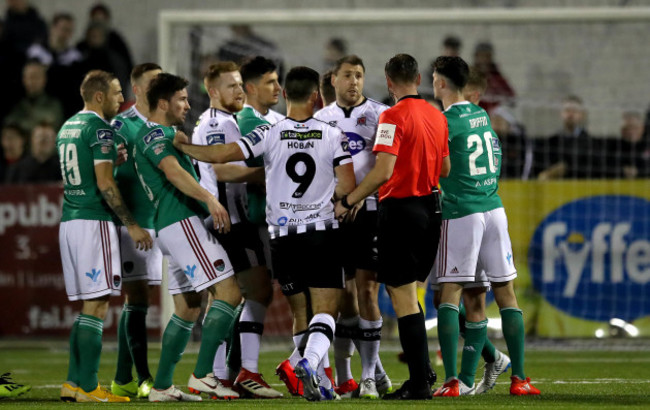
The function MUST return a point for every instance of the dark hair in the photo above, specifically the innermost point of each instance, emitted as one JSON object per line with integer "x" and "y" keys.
{"x": 61, "y": 16}
{"x": 339, "y": 44}
{"x": 572, "y": 98}
{"x": 352, "y": 59}
{"x": 163, "y": 87}
{"x": 215, "y": 70}
{"x": 14, "y": 126}
{"x": 455, "y": 69}
{"x": 402, "y": 69}
{"x": 476, "y": 79}
{"x": 452, "y": 42}
{"x": 139, "y": 70}
{"x": 100, "y": 7}
{"x": 95, "y": 81}
{"x": 300, "y": 83}
{"x": 327, "y": 90}
{"x": 484, "y": 47}
{"x": 253, "y": 69}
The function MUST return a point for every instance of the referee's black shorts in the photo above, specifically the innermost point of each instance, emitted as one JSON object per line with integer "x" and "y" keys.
{"x": 359, "y": 242}
{"x": 407, "y": 238}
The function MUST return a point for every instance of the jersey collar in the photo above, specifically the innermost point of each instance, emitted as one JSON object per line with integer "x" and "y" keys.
{"x": 416, "y": 96}
{"x": 458, "y": 103}
{"x": 139, "y": 114}
{"x": 348, "y": 111}
{"x": 93, "y": 113}
{"x": 303, "y": 121}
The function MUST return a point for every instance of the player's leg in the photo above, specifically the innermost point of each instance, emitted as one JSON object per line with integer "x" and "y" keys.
{"x": 475, "y": 334}
{"x": 370, "y": 324}
{"x": 347, "y": 328}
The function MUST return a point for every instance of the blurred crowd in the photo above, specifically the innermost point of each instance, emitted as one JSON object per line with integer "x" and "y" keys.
{"x": 45, "y": 67}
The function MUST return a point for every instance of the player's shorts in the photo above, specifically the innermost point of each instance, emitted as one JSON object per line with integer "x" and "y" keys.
{"x": 138, "y": 264}
{"x": 359, "y": 243}
{"x": 242, "y": 244}
{"x": 307, "y": 260}
{"x": 90, "y": 255}
{"x": 475, "y": 250}
{"x": 408, "y": 232}
{"x": 196, "y": 259}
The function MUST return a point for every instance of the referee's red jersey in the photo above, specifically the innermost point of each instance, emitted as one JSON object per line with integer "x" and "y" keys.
{"x": 417, "y": 134}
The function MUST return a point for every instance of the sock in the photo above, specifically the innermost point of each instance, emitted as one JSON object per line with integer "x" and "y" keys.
{"x": 321, "y": 332}
{"x": 217, "y": 326}
{"x": 89, "y": 341}
{"x": 512, "y": 320}
{"x": 298, "y": 341}
{"x": 251, "y": 327}
{"x": 136, "y": 334}
{"x": 73, "y": 365}
{"x": 413, "y": 338}
{"x": 177, "y": 334}
{"x": 489, "y": 351}
{"x": 233, "y": 360}
{"x": 475, "y": 335}
{"x": 346, "y": 332}
{"x": 422, "y": 293}
{"x": 448, "y": 332}
{"x": 369, "y": 346}
{"x": 123, "y": 373}
{"x": 379, "y": 369}
{"x": 323, "y": 379}
{"x": 219, "y": 367}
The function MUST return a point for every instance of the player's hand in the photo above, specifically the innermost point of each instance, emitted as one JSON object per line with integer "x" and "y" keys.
{"x": 340, "y": 211}
{"x": 122, "y": 155}
{"x": 220, "y": 216}
{"x": 180, "y": 138}
{"x": 352, "y": 213}
{"x": 141, "y": 238}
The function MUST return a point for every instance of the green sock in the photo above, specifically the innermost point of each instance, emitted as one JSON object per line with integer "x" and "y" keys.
{"x": 177, "y": 334}
{"x": 448, "y": 331}
{"x": 489, "y": 351}
{"x": 217, "y": 326}
{"x": 73, "y": 365}
{"x": 513, "y": 331}
{"x": 475, "y": 335}
{"x": 89, "y": 340}
{"x": 123, "y": 373}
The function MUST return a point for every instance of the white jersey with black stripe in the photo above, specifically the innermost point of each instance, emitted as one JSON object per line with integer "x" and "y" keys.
{"x": 360, "y": 125}
{"x": 273, "y": 117}
{"x": 219, "y": 127}
{"x": 299, "y": 162}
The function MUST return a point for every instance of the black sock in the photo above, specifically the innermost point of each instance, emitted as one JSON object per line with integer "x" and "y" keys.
{"x": 413, "y": 337}
{"x": 136, "y": 333}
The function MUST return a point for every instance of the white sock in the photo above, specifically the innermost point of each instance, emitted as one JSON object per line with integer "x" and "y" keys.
{"x": 251, "y": 327}
{"x": 344, "y": 349}
{"x": 369, "y": 346}
{"x": 321, "y": 331}
{"x": 219, "y": 367}
{"x": 324, "y": 380}
{"x": 297, "y": 341}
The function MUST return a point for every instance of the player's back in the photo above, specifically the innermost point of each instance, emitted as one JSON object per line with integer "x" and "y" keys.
{"x": 475, "y": 155}
{"x": 82, "y": 139}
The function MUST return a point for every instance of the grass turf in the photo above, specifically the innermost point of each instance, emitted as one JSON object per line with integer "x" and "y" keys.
{"x": 567, "y": 379}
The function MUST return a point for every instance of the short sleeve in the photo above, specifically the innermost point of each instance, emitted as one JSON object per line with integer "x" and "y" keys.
{"x": 445, "y": 144}
{"x": 156, "y": 146}
{"x": 205, "y": 134}
{"x": 342, "y": 154}
{"x": 388, "y": 136}
{"x": 102, "y": 144}
{"x": 252, "y": 144}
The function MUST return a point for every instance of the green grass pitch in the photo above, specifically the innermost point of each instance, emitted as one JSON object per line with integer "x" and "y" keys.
{"x": 567, "y": 379}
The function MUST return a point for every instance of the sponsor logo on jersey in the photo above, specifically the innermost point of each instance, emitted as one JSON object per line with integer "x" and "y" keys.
{"x": 213, "y": 123}
{"x": 94, "y": 275}
{"x": 255, "y": 136}
{"x": 361, "y": 121}
{"x": 591, "y": 257}
{"x": 299, "y": 207}
{"x": 282, "y": 221}
{"x": 300, "y": 126}
{"x": 105, "y": 137}
{"x": 215, "y": 138}
{"x": 496, "y": 146}
{"x": 117, "y": 124}
{"x": 356, "y": 143}
{"x": 154, "y": 135}
{"x": 301, "y": 136}
{"x": 158, "y": 149}
{"x": 385, "y": 134}
{"x": 220, "y": 265}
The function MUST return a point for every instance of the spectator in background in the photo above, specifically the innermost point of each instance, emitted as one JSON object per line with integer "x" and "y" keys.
{"x": 13, "y": 141}
{"x": 516, "y": 148}
{"x": 11, "y": 63}
{"x": 335, "y": 49}
{"x": 451, "y": 46}
{"x": 36, "y": 106}
{"x": 100, "y": 13}
{"x": 42, "y": 164}
{"x": 23, "y": 25}
{"x": 475, "y": 87}
{"x": 629, "y": 155}
{"x": 570, "y": 153}
{"x": 498, "y": 90}
{"x": 63, "y": 61}
{"x": 246, "y": 44}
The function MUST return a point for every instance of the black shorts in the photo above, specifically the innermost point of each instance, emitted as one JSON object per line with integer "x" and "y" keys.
{"x": 407, "y": 238}
{"x": 359, "y": 243}
{"x": 307, "y": 260}
{"x": 242, "y": 244}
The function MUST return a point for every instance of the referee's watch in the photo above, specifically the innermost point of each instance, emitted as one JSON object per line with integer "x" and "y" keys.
{"x": 344, "y": 202}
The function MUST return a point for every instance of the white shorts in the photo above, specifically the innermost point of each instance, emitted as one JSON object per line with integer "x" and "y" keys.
{"x": 196, "y": 259}
{"x": 475, "y": 250}
{"x": 90, "y": 255}
{"x": 138, "y": 264}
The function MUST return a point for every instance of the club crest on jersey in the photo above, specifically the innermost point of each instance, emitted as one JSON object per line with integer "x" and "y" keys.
{"x": 220, "y": 265}
{"x": 333, "y": 123}
{"x": 361, "y": 121}
{"x": 117, "y": 124}
{"x": 156, "y": 134}
{"x": 158, "y": 149}
{"x": 300, "y": 126}
{"x": 215, "y": 138}
{"x": 105, "y": 137}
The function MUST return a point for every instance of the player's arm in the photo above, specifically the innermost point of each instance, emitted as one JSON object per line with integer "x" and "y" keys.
{"x": 108, "y": 188}
{"x": 186, "y": 183}
{"x": 216, "y": 154}
{"x": 346, "y": 180}
{"x": 446, "y": 167}
{"x": 238, "y": 173}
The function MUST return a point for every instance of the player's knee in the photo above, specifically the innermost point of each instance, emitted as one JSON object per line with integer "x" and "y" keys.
{"x": 228, "y": 291}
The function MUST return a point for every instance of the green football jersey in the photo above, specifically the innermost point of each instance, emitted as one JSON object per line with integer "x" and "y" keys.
{"x": 126, "y": 126}
{"x": 153, "y": 143}
{"x": 475, "y": 156}
{"x": 82, "y": 140}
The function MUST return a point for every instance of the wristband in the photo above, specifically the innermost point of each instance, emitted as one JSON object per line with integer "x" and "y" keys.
{"x": 344, "y": 202}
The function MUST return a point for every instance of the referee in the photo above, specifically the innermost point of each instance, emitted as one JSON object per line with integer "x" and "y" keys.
{"x": 412, "y": 153}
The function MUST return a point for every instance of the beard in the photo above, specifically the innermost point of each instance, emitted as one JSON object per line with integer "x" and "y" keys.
{"x": 234, "y": 106}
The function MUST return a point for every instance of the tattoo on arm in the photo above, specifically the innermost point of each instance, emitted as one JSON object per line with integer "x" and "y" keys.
{"x": 114, "y": 200}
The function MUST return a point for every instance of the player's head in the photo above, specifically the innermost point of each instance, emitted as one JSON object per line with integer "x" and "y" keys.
{"x": 34, "y": 77}
{"x": 225, "y": 86}
{"x": 327, "y": 92}
{"x": 260, "y": 77}
{"x": 167, "y": 95}
{"x": 449, "y": 75}
{"x": 141, "y": 76}
{"x": 102, "y": 90}
{"x": 301, "y": 85}
{"x": 348, "y": 76}
{"x": 475, "y": 87}
{"x": 573, "y": 112}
